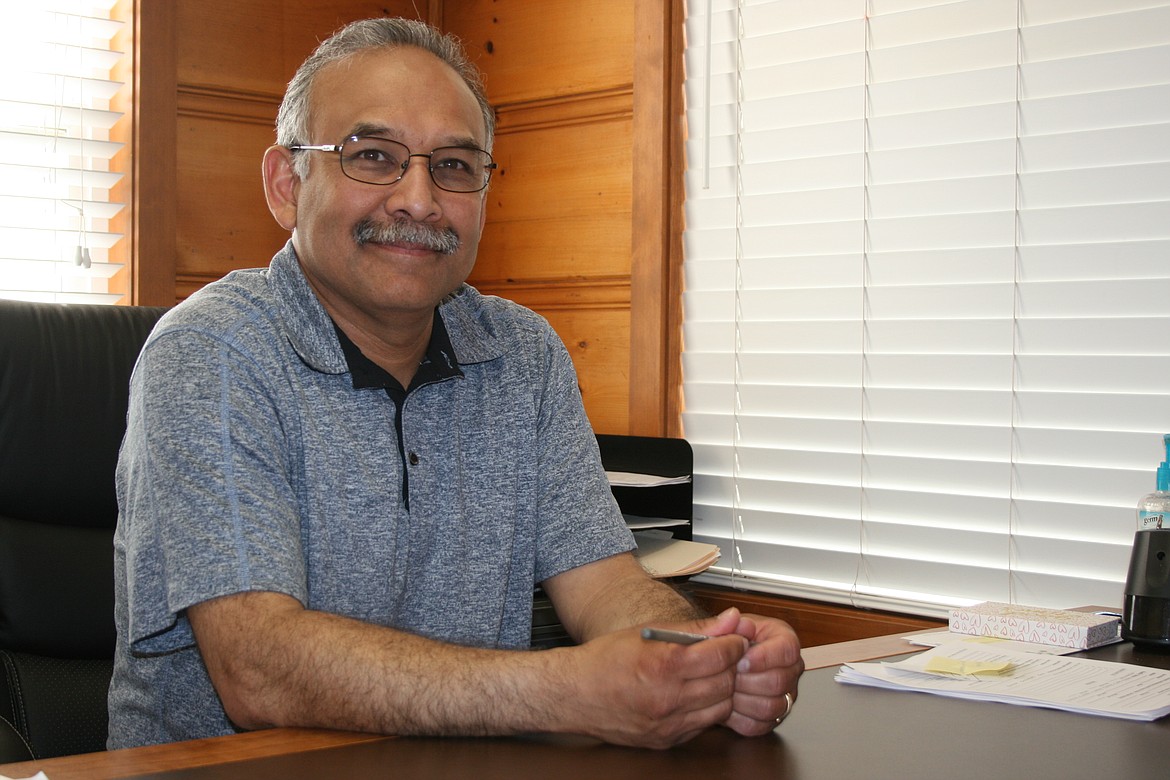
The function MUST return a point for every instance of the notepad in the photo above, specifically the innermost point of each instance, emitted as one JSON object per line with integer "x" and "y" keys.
{"x": 1061, "y": 627}
{"x": 949, "y": 666}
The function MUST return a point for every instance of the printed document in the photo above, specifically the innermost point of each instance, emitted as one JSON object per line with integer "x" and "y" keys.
{"x": 1037, "y": 680}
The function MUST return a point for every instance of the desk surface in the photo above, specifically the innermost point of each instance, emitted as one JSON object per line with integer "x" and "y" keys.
{"x": 836, "y": 731}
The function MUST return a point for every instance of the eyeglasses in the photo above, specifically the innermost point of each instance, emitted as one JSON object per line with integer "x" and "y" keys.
{"x": 381, "y": 161}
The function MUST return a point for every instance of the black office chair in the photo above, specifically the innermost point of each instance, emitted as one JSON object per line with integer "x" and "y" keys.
{"x": 64, "y": 382}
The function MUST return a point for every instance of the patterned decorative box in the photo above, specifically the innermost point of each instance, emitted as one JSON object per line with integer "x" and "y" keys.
{"x": 1059, "y": 627}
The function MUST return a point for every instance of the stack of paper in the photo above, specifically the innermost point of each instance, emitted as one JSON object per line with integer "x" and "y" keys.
{"x": 663, "y": 556}
{"x": 1031, "y": 679}
{"x": 945, "y": 637}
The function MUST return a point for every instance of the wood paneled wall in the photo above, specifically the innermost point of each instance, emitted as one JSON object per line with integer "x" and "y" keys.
{"x": 579, "y": 213}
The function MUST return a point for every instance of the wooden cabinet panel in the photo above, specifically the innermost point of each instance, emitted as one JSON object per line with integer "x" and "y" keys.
{"x": 577, "y": 246}
{"x": 559, "y": 205}
{"x": 563, "y": 170}
{"x": 217, "y": 43}
{"x": 224, "y": 222}
{"x": 255, "y": 46}
{"x": 533, "y": 50}
{"x": 598, "y": 341}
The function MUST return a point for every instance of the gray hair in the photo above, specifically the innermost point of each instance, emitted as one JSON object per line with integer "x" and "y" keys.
{"x": 292, "y": 120}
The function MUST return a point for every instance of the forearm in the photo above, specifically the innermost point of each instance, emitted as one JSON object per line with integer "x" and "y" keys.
{"x": 635, "y": 602}
{"x": 275, "y": 664}
{"x": 305, "y": 668}
{"x": 613, "y": 594}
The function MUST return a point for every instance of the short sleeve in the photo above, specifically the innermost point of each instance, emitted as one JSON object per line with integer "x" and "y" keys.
{"x": 205, "y": 492}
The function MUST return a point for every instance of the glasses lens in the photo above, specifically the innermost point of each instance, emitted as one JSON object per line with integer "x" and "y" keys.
{"x": 459, "y": 169}
{"x": 382, "y": 161}
{"x": 373, "y": 160}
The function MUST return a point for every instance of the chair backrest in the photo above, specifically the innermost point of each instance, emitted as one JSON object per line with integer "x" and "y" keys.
{"x": 64, "y": 384}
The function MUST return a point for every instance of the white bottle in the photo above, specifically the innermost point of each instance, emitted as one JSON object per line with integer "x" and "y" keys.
{"x": 1153, "y": 511}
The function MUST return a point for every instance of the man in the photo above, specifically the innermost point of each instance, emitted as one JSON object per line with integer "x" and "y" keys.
{"x": 343, "y": 474}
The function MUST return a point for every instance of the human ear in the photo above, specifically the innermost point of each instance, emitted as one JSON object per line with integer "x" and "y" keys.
{"x": 281, "y": 185}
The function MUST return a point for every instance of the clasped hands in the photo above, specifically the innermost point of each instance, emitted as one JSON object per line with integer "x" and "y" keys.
{"x": 660, "y": 694}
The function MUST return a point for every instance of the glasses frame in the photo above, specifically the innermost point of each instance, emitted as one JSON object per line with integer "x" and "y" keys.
{"x": 337, "y": 149}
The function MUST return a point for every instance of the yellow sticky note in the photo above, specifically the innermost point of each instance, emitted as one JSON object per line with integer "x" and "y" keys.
{"x": 941, "y": 664}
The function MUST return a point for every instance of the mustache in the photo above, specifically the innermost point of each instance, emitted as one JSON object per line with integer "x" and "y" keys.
{"x": 402, "y": 231}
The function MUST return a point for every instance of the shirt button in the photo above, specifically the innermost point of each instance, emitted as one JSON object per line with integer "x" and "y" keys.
{"x": 413, "y": 458}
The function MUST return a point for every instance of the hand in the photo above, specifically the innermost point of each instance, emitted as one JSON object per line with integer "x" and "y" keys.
{"x": 770, "y": 668}
{"x": 659, "y": 694}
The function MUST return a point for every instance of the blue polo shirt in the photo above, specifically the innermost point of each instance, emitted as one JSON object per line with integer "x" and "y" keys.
{"x": 253, "y": 462}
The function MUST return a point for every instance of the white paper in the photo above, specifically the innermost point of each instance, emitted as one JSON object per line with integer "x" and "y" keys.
{"x": 630, "y": 479}
{"x": 37, "y": 776}
{"x": 945, "y": 637}
{"x": 638, "y": 523}
{"x": 1038, "y": 680}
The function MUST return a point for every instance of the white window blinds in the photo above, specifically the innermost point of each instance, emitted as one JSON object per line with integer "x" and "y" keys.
{"x": 927, "y": 318}
{"x": 55, "y": 151}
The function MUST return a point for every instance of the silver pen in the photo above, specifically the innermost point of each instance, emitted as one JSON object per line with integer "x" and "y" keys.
{"x": 677, "y": 637}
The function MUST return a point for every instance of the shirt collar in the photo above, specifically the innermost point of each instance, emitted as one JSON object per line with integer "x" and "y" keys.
{"x": 311, "y": 332}
{"x": 438, "y": 363}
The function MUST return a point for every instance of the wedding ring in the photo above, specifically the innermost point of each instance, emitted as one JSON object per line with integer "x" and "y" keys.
{"x": 787, "y": 710}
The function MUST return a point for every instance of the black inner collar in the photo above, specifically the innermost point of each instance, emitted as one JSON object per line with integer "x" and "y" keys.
{"x": 439, "y": 362}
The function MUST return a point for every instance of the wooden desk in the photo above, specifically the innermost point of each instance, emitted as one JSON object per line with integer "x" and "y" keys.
{"x": 836, "y": 732}
{"x": 182, "y": 755}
